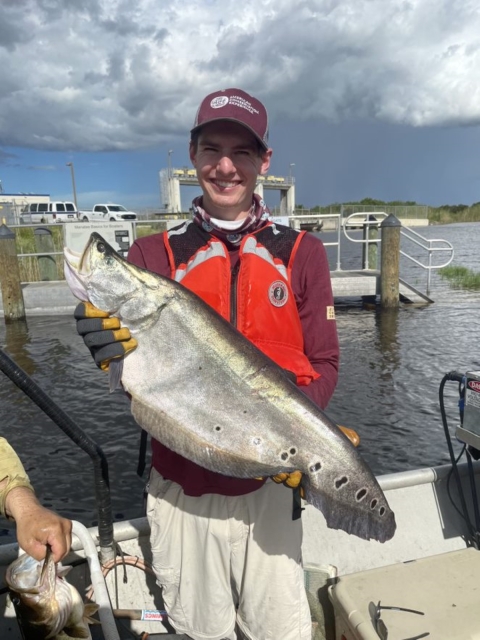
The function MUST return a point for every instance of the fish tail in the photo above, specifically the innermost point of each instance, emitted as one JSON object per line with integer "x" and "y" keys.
{"x": 358, "y": 519}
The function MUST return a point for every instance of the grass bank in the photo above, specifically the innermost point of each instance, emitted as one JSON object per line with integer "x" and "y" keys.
{"x": 461, "y": 277}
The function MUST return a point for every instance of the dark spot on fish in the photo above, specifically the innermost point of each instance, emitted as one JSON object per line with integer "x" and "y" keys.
{"x": 257, "y": 441}
{"x": 340, "y": 482}
{"x": 361, "y": 495}
{"x": 199, "y": 368}
{"x": 218, "y": 427}
{"x": 315, "y": 467}
{"x": 284, "y": 456}
{"x": 293, "y": 451}
{"x": 373, "y": 503}
{"x": 382, "y": 511}
{"x": 101, "y": 247}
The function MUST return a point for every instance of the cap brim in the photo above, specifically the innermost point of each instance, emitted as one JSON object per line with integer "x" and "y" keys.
{"x": 198, "y": 127}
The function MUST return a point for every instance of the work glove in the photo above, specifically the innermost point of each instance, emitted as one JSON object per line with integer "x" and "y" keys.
{"x": 294, "y": 478}
{"x": 103, "y": 335}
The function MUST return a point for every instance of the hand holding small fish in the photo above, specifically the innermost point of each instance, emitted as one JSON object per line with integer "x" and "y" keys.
{"x": 37, "y": 526}
{"x": 103, "y": 335}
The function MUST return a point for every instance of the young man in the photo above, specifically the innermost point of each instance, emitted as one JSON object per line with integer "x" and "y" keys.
{"x": 36, "y": 526}
{"x": 226, "y": 551}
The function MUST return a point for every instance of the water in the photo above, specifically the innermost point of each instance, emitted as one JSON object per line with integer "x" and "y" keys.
{"x": 391, "y": 368}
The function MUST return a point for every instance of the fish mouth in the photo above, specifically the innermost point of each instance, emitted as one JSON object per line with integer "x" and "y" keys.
{"x": 75, "y": 274}
{"x": 30, "y": 577}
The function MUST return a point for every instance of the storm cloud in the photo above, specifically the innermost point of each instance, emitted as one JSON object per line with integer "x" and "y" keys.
{"x": 103, "y": 75}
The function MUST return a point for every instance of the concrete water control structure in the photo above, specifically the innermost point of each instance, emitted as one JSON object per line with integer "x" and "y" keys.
{"x": 171, "y": 179}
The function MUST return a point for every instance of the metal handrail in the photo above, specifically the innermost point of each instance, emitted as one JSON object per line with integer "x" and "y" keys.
{"x": 349, "y": 222}
{"x": 324, "y": 216}
{"x": 407, "y": 233}
{"x": 430, "y": 249}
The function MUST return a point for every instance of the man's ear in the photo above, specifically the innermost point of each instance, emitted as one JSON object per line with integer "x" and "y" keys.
{"x": 266, "y": 157}
{"x": 192, "y": 154}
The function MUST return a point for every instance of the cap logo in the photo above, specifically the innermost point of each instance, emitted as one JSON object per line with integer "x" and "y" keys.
{"x": 218, "y": 102}
{"x": 278, "y": 293}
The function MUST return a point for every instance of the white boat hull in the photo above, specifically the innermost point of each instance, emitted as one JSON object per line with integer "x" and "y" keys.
{"x": 427, "y": 525}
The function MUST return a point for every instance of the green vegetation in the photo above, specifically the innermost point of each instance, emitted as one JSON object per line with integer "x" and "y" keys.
{"x": 27, "y": 242}
{"x": 461, "y": 277}
{"x": 445, "y": 214}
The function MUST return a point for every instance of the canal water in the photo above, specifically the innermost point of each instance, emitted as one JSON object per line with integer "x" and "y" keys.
{"x": 392, "y": 364}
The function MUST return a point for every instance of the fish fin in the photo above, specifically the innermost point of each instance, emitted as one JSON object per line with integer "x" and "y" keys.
{"x": 115, "y": 370}
{"x": 90, "y": 610}
{"x": 75, "y": 631}
{"x": 63, "y": 570}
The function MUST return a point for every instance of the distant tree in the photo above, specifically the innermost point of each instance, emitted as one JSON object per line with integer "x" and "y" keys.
{"x": 371, "y": 201}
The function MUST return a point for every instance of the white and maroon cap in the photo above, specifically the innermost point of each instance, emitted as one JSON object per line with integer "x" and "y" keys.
{"x": 237, "y": 106}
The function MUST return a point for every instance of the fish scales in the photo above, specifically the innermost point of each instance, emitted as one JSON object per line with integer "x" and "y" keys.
{"x": 202, "y": 389}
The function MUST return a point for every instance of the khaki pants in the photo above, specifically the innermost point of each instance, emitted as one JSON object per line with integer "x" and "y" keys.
{"x": 225, "y": 562}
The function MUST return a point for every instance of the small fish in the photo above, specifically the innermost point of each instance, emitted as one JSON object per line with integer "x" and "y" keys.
{"x": 206, "y": 392}
{"x": 48, "y": 607}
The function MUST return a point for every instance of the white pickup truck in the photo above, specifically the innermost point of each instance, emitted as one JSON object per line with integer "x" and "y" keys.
{"x": 107, "y": 212}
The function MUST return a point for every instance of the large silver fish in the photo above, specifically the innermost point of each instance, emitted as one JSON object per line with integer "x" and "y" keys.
{"x": 48, "y": 606}
{"x": 203, "y": 390}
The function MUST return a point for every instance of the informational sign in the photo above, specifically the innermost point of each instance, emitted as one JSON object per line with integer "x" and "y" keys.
{"x": 118, "y": 234}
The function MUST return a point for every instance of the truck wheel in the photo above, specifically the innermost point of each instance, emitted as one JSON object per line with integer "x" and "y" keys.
{"x": 112, "y": 220}
{"x": 84, "y": 219}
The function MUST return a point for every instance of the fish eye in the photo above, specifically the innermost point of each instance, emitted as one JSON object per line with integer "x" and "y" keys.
{"x": 101, "y": 247}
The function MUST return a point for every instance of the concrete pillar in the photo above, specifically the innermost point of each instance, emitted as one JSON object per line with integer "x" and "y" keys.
{"x": 12, "y": 295}
{"x": 390, "y": 263}
{"x": 175, "y": 198}
{"x": 291, "y": 200}
{"x": 259, "y": 189}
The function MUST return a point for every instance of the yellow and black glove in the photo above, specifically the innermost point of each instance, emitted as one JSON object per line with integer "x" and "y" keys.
{"x": 103, "y": 335}
{"x": 294, "y": 478}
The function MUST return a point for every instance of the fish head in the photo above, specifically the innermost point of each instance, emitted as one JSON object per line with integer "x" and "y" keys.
{"x": 32, "y": 578}
{"x": 104, "y": 278}
{"x": 99, "y": 275}
{"x": 32, "y": 584}
{"x": 46, "y": 604}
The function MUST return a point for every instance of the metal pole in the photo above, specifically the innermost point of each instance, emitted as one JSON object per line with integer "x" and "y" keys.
{"x": 72, "y": 171}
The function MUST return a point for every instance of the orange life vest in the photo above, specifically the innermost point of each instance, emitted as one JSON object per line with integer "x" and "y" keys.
{"x": 256, "y": 296}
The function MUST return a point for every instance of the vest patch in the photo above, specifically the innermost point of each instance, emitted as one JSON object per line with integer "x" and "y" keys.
{"x": 278, "y": 293}
{"x": 330, "y": 313}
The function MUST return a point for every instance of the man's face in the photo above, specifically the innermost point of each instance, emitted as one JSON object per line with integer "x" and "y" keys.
{"x": 228, "y": 163}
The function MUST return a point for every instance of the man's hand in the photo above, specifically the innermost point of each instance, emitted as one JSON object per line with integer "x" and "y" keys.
{"x": 103, "y": 335}
{"x": 37, "y": 526}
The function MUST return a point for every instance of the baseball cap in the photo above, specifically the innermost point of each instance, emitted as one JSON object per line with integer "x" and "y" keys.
{"x": 237, "y": 106}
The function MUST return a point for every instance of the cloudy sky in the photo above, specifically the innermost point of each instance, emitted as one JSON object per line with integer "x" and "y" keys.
{"x": 367, "y": 98}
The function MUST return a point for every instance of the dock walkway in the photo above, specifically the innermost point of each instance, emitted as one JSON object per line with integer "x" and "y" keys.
{"x": 55, "y": 298}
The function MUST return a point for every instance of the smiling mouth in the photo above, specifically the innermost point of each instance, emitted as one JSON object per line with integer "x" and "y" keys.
{"x": 225, "y": 184}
